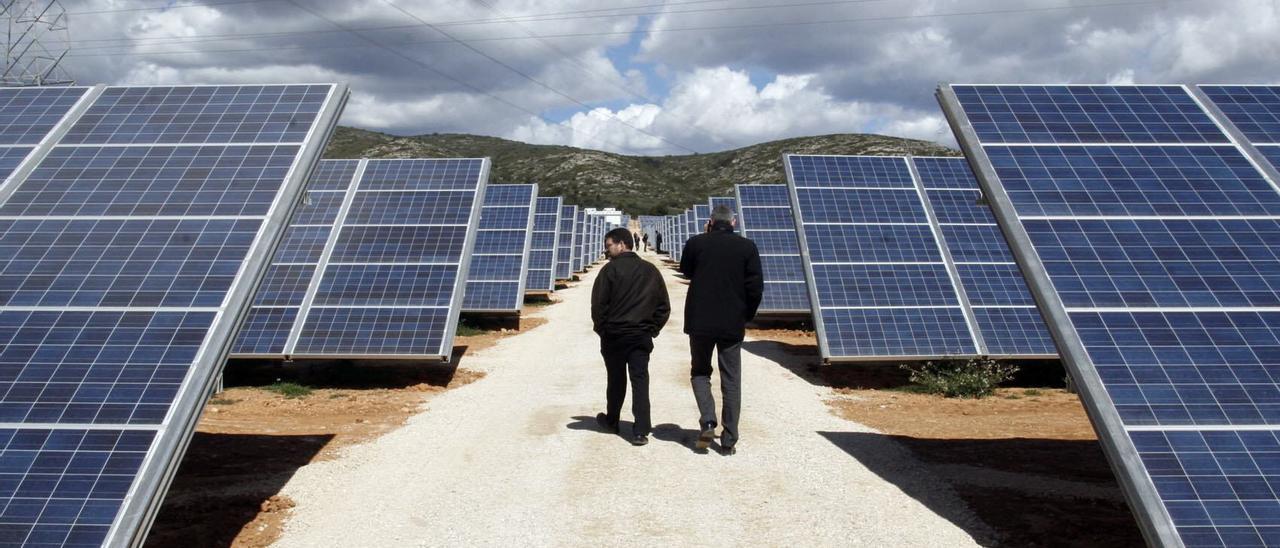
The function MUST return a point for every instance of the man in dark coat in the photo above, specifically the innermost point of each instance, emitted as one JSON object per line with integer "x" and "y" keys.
{"x": 657, "y": 241}
{"x": 629, "y": 306}
{"x": 725, "y": 287}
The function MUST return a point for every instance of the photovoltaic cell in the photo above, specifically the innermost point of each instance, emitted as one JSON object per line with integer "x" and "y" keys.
{"x": 126, "y": 271}
{"x": 495, "y": 280}
{"x": 565, "y": 245}
{"x": 1160, "y": 288}
{"x": 541, "y": 274}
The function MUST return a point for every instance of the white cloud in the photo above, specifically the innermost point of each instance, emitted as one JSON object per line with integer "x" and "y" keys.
{"x": 718, "y": 108}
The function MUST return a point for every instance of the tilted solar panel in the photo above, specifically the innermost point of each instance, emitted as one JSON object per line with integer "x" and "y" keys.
{"x": 565, "y": 246}
{"x": 1153, "y": 266}
{"x": 380, "y": 271}
{"x": 1008, "y": 321}
{"x": 727, "y": 201}
{"x": 126, "y": 273}
{"x": 764, "y": 216}
{"x": 542, "y": 246}
{"x": 880, "y": 284}
{"x": 499, "y": 260}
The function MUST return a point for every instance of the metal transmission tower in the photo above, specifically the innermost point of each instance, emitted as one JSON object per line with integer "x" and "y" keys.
{"x": 37, "y": 41}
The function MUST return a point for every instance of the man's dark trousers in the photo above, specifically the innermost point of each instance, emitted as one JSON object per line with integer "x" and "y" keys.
{"x": 625, "y": 354}
{"x": 729, "y": 356}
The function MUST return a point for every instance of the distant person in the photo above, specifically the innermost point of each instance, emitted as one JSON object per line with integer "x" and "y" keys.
{"x": 725, "y": 287}
{"x": 629, "y": 306}
{"x": 636, "y": 238}
{"x": 644, "y": 242}
{"x": 657, "y": 240}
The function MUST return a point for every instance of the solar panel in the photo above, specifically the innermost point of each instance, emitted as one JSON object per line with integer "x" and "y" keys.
{"x": 1006, "y": 316}
{"x": 375, "y": 261}
{"x": 1151, "y": 264}
{"x": 727, "y": 201}
{"x": 579, "y": 239}
{"x": 127, "y": 270}
{"x": 566, "y": 242}
{"x": 496, "y": 278}
{"x": 542, "y": 245}
{"x": 880, "y": 286}
{"x": 764, "y": 216}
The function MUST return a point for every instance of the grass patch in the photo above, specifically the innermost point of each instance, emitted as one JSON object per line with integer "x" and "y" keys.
{"x": 289, "y": 389}
{"x": 223, "y": 401}
{"x": 1032, "y": 392}
{"x": 975, "y": 378}
{"x": 537, "y": 302}
{"x": 467, "y": 330}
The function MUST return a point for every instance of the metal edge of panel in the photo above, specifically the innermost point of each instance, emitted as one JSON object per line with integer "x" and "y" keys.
{"x": 819, "y": 327}
{"x": 322, "y": 262}
{"x": 41, "y": 150}
{"x": 464, "y": 263}
{"x": 948, "y": 262}
{"x": 1150, "y": 513}
{"x": 154, "y": 476}
{"x": 1235, "y": 136}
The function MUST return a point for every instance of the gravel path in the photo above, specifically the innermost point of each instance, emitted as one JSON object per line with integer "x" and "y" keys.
{"x": 514, "y": 459}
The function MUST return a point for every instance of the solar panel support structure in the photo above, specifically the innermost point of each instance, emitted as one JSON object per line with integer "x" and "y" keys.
{"x": 1236, "y": 136}
{"x": 1071, "y": 349}
{"x": 41, "y": 150}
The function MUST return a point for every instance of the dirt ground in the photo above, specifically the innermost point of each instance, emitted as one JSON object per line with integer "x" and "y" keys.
{"x": 1026, "y": 460}
{"x": 251, "y": 439}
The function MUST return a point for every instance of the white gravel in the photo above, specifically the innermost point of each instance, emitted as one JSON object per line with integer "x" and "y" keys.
{"x": 514, "y": 459}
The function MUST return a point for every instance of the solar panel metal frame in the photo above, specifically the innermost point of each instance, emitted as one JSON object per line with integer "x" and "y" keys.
{"x": 138, "y": 509}
{"x": 518, "y": 297}
{"x": 1135, "y": 480}
{"x": 746, "y": 232}
{"x": 811, "y": 283}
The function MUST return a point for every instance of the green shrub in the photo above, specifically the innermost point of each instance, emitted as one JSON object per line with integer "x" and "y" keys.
{"x": 975, "y": 378}
{"x": 467, "y": 330}
{"x": 289, "y": 389}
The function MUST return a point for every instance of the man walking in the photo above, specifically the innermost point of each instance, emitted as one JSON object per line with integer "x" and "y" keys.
{"x": 725, "y": 287}
{"x": 629, "y": 306}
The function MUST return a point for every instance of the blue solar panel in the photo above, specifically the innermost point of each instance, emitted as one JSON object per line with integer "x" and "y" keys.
{"x": 1165, "y": 300}
{"x": 1014, "y": 331}
{"x": 386, "y": 285}
{"x": 960, "y": 206}
{"x": 1255, "y": 110}
{"x": 564, "y": 247}
{"x": 994, "y": 284}
{"x": 495, "y": 279}
{"x": 125, "y": 272}
{"x": 319, "y": 208}
{"x": 370, "y": 331}
{"x": 284, "y": 285}
{"x": 874, "y": 262}
{"x": 727, "y": 201}
{"x": 1086, "y": 114}
{"x": 333, "y": 175}
{"x": 977, "y": 243}
{"x": 764, "y": 216}
{"x": 945, "y": 173}
{"x": 265, "y": 330}
{"x": 579, "y": 239}
{"x": 405, "y": 208}
{"x": 27, "y": 115}
{"x": 11, "y": 158}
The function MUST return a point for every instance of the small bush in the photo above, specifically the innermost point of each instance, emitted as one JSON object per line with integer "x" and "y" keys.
{"x": 1032, "y": 392}
{"x": 223, "y": 401}
{"x": 975, "y": 378}
{"x": 289, "y": 389}
{"x": 467, "y": 330}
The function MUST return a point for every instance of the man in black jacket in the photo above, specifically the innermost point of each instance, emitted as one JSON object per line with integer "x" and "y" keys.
{"x": 725, "y": 287}
{"x": 629, "y": 306}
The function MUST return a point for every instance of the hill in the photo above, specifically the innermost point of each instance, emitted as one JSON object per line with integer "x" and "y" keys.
{"x": 636, "y": 184}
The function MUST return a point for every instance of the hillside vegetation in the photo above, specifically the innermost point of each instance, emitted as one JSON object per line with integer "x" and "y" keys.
{"x": 636, "y": 184}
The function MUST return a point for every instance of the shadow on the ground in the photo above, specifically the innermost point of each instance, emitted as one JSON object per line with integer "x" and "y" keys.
{"x": 674, "y": 433}
{"x": 1024, "y": 492}
{"x": 236, "y": 474}
{"x": 344, "y": 373}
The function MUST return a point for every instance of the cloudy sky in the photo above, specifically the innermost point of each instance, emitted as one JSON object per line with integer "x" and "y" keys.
{"x": 674, "y": 77}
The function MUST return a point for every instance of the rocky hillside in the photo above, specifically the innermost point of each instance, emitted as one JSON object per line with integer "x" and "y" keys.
{"x": 637, "y": 184}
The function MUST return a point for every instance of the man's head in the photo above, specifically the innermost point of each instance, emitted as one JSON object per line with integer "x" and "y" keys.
{"x": 721, "y": 214}
{"x": 617, "y": 242}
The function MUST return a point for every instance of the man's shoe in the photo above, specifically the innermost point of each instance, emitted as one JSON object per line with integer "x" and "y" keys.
{"x": 730, "y": 450}
{"x": 605, "y": 424}
{"x": 639, "y": 440}
{"x": 704, "y": 438}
